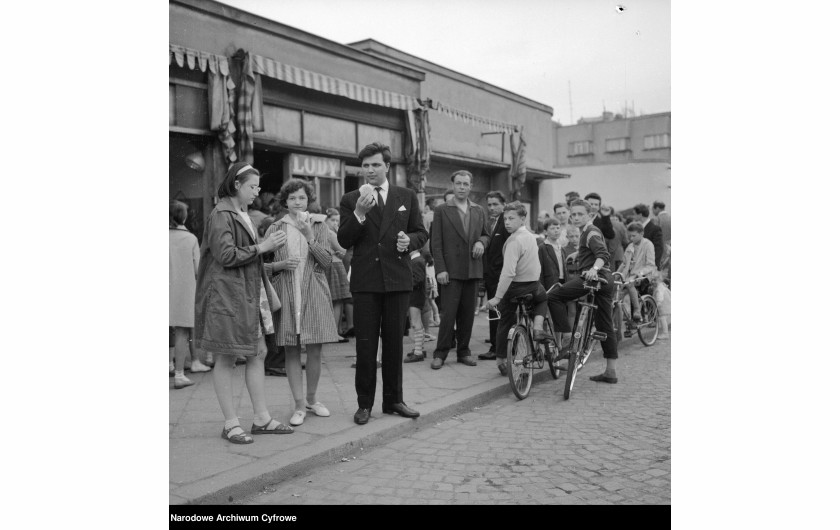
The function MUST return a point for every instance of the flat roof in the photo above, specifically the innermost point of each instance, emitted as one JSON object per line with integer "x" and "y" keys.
{"x": 389, "y": 51}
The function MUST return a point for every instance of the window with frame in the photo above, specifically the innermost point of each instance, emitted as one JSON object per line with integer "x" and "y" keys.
{"x": 658, "y": 141}
{"x": 615, "y": 145}
{"x": 580, "y": 148}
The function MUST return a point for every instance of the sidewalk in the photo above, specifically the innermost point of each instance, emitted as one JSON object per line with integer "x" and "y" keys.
{"x": 205, "y": 469}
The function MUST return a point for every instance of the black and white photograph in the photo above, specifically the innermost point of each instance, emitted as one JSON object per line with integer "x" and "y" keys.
{"x": 425, "y": 247}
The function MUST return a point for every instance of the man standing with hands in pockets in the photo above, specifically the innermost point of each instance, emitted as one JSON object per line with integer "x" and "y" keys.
{"x": 383, "y": 225}
{"x": 459, "y": 237}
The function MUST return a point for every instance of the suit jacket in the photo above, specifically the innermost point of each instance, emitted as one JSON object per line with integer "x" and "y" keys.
{"x": 550, "y": 268}
{"x": 654, "y": 233}
{"x": 452, "y": 246}
{"x": 604, "y": 224}
{"x": 376, "y": 265}
{"x": 494, "y": 257}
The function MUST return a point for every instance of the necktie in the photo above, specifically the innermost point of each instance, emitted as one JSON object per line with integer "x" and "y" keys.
{"x": 379, "y": 200}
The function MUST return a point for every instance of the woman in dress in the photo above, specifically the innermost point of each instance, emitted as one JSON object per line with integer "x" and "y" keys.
{"x": 299, "y": 276}
{"x": 234, "y": 300}
{"x": 339, "y": 285}
{"x": 183, "y": 267}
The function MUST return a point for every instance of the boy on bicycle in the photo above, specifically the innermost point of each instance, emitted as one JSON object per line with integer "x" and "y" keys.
{"x": 638, "y": 262}
{"x": 520, "y": 276}
{"x": 592, "y": 260}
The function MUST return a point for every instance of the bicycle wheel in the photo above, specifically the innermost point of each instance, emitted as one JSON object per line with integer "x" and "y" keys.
{"x": 649, "y": 326}
{"x": 551, "y": 351}
{"x": 520, "y": 362}
{"x": 578, "y": 340}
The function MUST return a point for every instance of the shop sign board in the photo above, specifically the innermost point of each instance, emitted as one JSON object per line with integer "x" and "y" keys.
{"x": 316, "y": 166}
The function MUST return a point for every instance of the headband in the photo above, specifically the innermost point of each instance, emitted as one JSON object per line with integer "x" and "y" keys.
{"x": 244, "y": 169}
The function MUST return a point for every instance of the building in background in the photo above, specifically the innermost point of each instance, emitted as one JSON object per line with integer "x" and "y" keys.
{"x": 243, "y": 87}
{"x": 626, "y": 160}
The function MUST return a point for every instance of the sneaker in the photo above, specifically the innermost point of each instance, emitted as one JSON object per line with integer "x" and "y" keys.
{"x": 182, "y": 382}
{"x": 297, "y": 418}
{"x": 198, "y": 366}
{"x": 319, "y": 409}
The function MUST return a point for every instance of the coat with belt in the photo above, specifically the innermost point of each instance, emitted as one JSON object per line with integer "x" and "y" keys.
{"x": 317, "y": 323}
{"x": 376, "y": 265}
{"x": 452, "y": 246}
{"x": 230, "y": 274}
{"x": 494, "y": 257}
{"x": 550, "y": 267}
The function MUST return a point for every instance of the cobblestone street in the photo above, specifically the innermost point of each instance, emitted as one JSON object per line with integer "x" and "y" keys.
{"x": 609, "y": 444}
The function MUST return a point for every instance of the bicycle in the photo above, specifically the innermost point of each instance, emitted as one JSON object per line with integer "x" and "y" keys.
{"x": 524, "y": 354}
{"x": 584, "y": 335}
{"x": 648, "y": 327}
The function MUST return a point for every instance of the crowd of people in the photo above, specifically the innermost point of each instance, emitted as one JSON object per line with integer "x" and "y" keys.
{"x": 275, "y": 278}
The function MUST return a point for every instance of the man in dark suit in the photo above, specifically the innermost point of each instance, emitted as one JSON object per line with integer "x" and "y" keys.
{"x": 600, "y": 218}
{"x": 494, "y": 259}
{"x": 383, "y": 226}
{"x": 652, "y": 232}
{"x": 459, "y": 237}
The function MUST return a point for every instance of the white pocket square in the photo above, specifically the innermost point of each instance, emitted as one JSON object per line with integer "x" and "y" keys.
{"x": 402, "y": 209}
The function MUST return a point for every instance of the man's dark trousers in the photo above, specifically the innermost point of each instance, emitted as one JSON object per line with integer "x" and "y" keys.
{"x": 373, "y": 312}
{"x": 494, "y": 324}
{"x": 572, "y": 290}
{"x": 458, "y": 310}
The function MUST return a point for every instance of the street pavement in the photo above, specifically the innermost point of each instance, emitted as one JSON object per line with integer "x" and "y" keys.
{"x": 609, "y": 444}
{"x": 474, "y": 442}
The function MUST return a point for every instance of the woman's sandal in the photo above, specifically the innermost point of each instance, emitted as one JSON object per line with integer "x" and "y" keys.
{"x": 237, "y": 438}
{"x": 263, "y": 429}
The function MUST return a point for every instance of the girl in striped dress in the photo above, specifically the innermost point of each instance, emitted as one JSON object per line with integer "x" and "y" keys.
{"x": 299, "y": 277}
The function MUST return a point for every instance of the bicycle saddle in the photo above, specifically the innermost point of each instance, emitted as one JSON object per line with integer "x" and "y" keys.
{"x": 522, "y": 298}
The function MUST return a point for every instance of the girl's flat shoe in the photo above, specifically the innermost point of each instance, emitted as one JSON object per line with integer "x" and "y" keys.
{"x": 319, "y": 409}
{"x": 297, "y": 418}
{"x": 263, "y": 429}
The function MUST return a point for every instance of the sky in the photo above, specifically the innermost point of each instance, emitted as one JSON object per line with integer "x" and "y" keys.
{"x": 535, "y": 48}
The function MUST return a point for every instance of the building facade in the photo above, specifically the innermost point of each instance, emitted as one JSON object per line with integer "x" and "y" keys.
{"x": 243, "y": 87}
{"x": 625, "y": 160}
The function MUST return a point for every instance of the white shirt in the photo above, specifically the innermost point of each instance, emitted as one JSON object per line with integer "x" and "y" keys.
{"x": 384, "y": 192}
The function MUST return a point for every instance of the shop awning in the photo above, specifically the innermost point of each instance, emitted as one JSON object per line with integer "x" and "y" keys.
{"x": 218, "y": 64}
{"x": 474, "y": 119}
{"x": 331, "y": 85}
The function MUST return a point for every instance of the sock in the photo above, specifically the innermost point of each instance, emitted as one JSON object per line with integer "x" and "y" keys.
{"x": 418, "y": 341}
{"x": 180, "y": 374}
{"x": 230, "y": 424}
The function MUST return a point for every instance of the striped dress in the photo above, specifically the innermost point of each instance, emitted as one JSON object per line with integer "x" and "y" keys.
{"x": 305, "y": 293}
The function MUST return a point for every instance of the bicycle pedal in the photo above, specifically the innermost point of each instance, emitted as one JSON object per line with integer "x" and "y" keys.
{"x": 628, "y": 334}
{"x": 599, "y": 335}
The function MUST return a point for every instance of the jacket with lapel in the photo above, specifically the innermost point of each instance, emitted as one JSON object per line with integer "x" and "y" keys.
{"x": 452, "y": 246}
{"x": 550, "y": 268}
{"x": 494, "y": 258}
{"x": 376, "y": 265}
{"x": 654, "y": 233}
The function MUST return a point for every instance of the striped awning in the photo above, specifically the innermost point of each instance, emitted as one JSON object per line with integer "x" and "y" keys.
{"x": 203, "y": 60}
{"x": 331, "y": 85}
{"x": 474, "y": 119}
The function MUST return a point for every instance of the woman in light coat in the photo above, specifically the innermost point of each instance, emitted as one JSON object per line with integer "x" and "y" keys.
{"x": 299, "y": 276}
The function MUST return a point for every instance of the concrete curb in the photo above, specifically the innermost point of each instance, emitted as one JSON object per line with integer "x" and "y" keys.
{"x": 228, "y": 487}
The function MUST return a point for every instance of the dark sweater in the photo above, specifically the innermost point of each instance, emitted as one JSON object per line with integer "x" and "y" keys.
{"x": 592, "y": 246}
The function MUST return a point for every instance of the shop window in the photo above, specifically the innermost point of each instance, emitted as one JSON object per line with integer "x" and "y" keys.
{"x": 617, "y": 145}
{"x": 582, "y": 148}
{"x": 171, "y": 104}
{"x": 658, "y": 141}
{"x": 330, "y": 133}
{"x": 281, "y": 124}
{"x": 369, "y": 134}
{"x": 188, "y": 107}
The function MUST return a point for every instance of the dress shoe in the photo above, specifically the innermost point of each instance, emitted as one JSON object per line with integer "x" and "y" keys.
{"x": 437, "y": 363}
{"x": 601, "y": 378}
{"x": 401, "y": 409}
{"x": 540, "y": 335}
{"x": 414, "y": 358}
{"x": 349, "y": 333}
{"x": 362, "y": 416}
{"x": 469, "y": 361}
{"x": 489, "y": 356}
{"x": 502, "y": 368}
